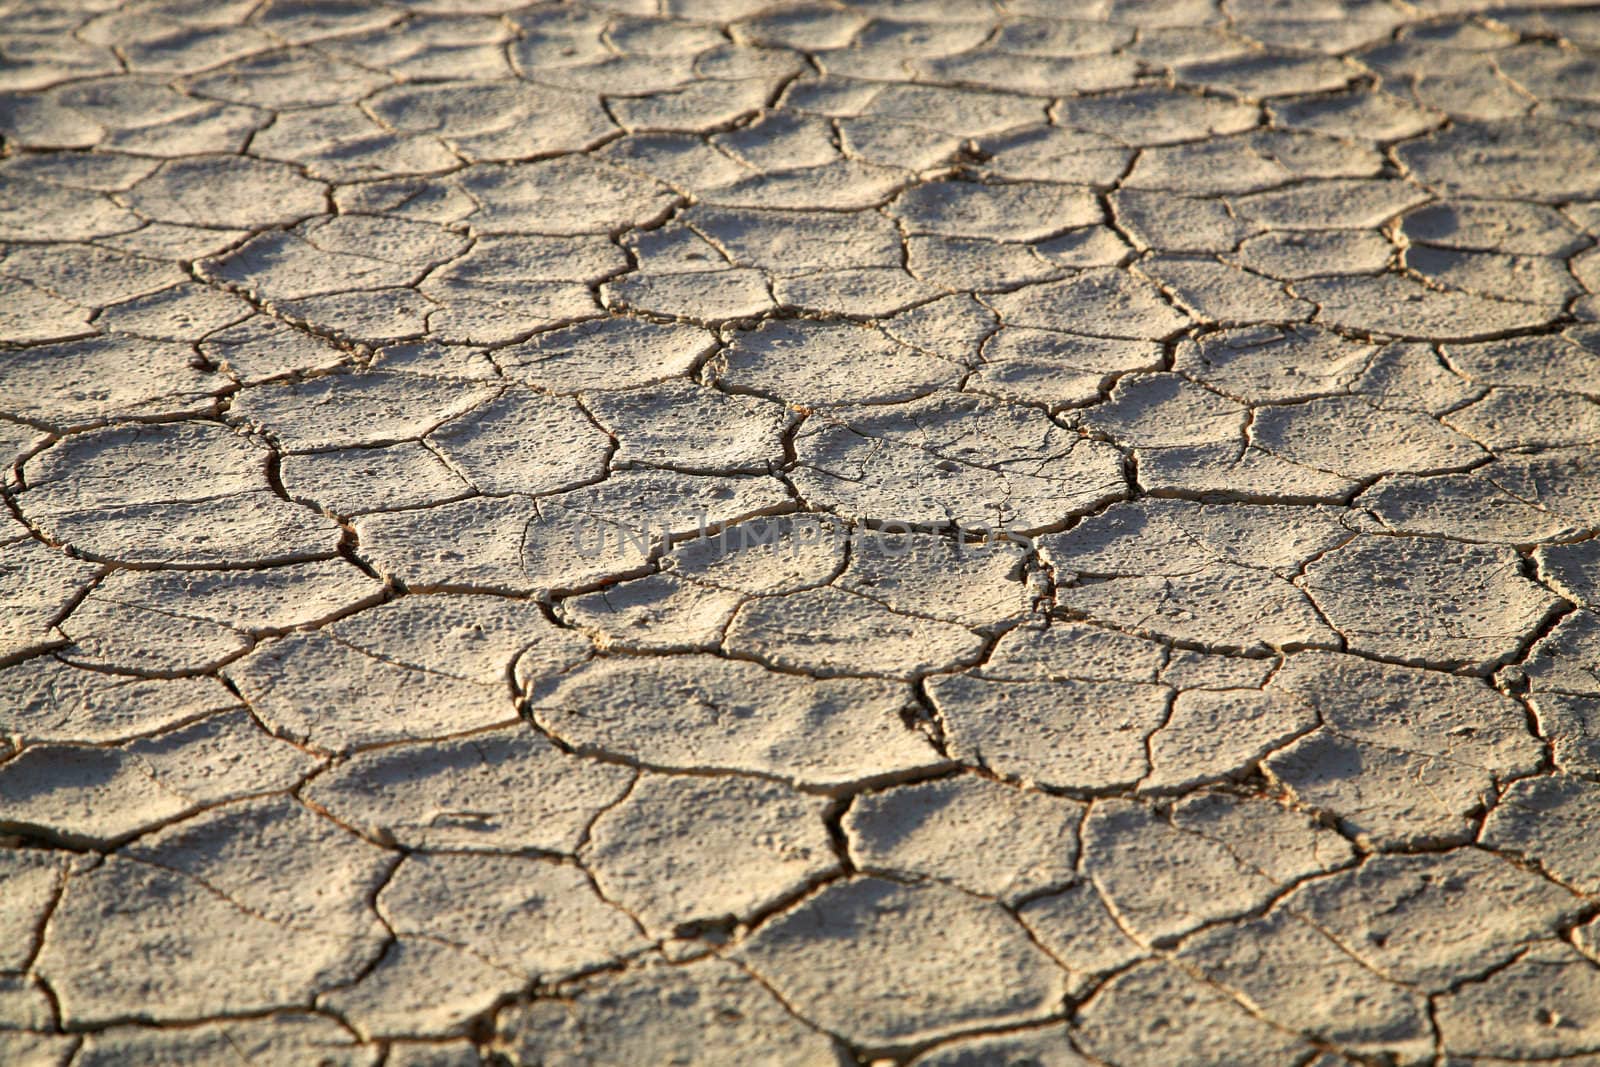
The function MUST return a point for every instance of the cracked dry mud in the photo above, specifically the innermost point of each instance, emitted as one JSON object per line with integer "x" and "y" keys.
{"x": 890, "y": 532}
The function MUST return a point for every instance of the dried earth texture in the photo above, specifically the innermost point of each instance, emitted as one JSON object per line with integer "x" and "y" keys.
{"x": 877, "y": 532}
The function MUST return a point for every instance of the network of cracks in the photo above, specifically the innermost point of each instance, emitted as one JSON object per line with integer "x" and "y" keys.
{"x": 938, "y": 532}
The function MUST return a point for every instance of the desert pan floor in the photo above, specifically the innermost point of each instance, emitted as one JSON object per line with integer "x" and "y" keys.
{"x": 703, "y": 532}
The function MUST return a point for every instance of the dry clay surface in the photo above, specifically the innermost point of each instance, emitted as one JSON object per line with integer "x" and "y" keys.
{"x": 703, "y": 532}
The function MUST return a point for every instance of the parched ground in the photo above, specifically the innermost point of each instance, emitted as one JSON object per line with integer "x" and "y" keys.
{"x": 696, "y": 532}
